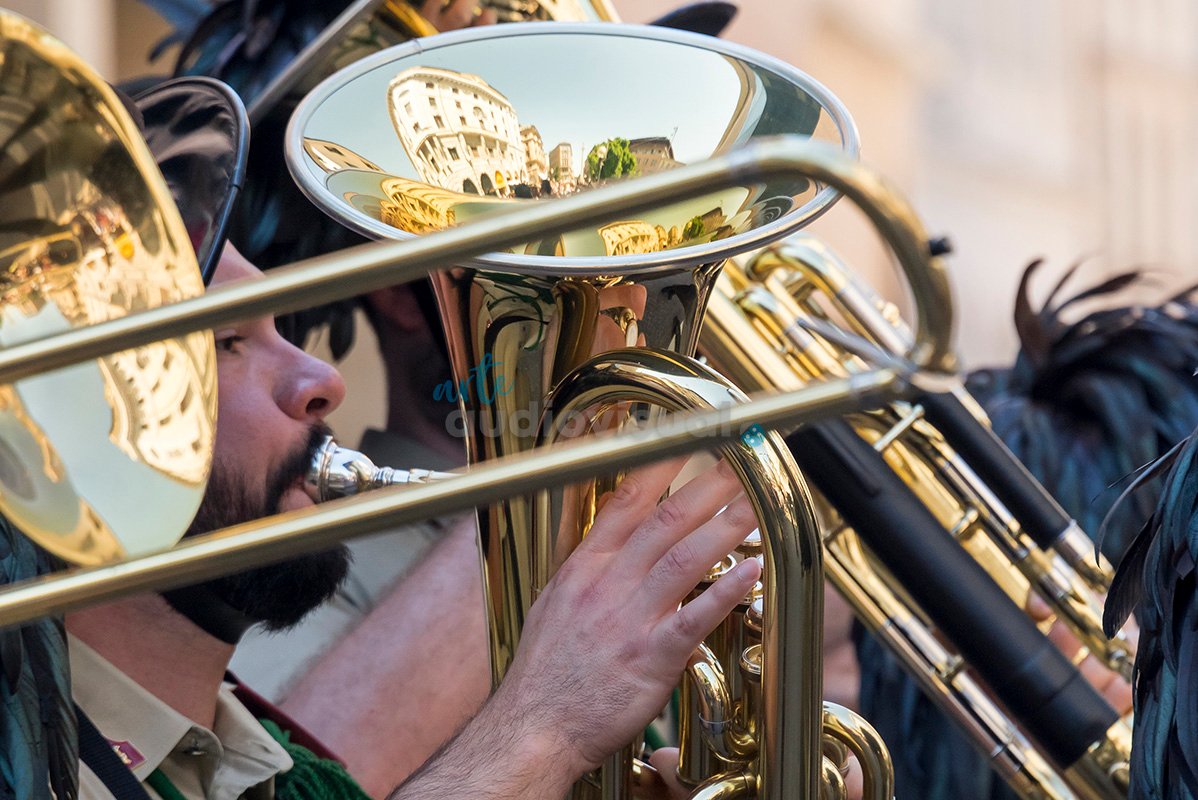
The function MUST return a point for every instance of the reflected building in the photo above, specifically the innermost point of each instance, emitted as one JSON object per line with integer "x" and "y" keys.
{"x": 653, "y": 154}
{"x": 417, "y": 207}
{"x": 536, "y": 162}
{"x": 631, "y": 237}
{"x": 460, "y": 133}
{"x": 332, "y": 157}
{"x": 561, "y": 168}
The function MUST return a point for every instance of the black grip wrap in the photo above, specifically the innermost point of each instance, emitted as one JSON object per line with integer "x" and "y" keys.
{"x": 1048, "y": 697}
{"x": 1038, "y": 512}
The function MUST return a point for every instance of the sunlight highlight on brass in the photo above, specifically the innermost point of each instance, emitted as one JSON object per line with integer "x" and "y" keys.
{"x": 108, "y": 458}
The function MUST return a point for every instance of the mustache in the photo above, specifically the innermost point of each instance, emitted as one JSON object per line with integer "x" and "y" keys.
{"x": 294, "y": 466}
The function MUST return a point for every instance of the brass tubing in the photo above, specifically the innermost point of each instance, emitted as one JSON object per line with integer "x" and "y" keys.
{"x": 727, "y": 787}
{"x": 788, "y": 763}
{"x": 879, "y": 320}
{"x": 1054, "y": 564}
{"x": 716, "y": 720}
{"x": 373, "y": 266}
{"x": 862, "y": 740}
{"x": 286, "y": 535}
{"x": 832, "y": 782}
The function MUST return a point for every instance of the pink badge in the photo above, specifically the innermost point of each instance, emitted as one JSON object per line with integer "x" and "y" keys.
{"x": 128, "y": 754}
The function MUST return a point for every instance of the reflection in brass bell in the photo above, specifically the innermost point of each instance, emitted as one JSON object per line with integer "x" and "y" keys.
{"x": 108, "y": 458}
{"x": 435, "y": 133}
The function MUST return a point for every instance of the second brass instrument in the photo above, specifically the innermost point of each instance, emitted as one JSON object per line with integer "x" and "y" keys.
{"x": 760, "y": 329}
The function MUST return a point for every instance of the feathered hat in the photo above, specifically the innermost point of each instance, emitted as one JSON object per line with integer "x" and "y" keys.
{"x": 1087, "y": 402}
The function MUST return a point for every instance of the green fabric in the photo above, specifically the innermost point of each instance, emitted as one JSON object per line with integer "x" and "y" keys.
{"x": 163, "y": 786}
{"x": 312, "y": 777}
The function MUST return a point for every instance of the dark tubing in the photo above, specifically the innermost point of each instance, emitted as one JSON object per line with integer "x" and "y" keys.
{"x": 1039, "y": 514}
{"x": 1048, "y": 697}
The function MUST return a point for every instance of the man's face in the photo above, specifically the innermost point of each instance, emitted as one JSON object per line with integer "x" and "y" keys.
{"x": 272, "y": 401}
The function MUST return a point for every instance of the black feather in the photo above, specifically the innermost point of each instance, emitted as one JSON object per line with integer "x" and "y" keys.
{"x": 1159, "y": 575}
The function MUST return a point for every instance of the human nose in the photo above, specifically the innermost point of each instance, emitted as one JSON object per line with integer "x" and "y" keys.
{"x": 311, "y": 389}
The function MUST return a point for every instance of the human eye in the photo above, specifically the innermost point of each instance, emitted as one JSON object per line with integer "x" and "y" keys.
{"x": 228, "y": 342}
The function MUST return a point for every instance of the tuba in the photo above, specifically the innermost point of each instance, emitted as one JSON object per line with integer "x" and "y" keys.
{"x": 950, "y": 489}
{"x": 593, "y": 330}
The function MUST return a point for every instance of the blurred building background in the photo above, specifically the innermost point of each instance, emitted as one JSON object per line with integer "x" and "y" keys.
{"x": 1062, "y": 129}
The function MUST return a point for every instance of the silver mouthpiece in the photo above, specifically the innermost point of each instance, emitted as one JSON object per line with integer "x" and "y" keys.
{"x": 340, "y": 472}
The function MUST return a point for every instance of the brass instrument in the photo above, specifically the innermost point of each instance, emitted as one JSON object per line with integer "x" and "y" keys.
{"x": 590, "y": 330}
{"x": 1069, "y": 574}
{"x": 764, "y": 329}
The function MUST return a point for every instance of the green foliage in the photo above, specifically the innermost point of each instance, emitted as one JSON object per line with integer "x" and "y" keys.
{"x": 610, "y": 159}
{"x": 693, "y": 228}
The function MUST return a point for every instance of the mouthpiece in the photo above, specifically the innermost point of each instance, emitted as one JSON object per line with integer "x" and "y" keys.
{"x": 340, "y": 472}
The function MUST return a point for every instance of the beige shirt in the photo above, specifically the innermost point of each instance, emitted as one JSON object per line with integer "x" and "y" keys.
{"x": 237, "y": 760}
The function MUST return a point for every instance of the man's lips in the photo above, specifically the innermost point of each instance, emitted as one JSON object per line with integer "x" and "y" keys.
{"x": 295, "y": 497}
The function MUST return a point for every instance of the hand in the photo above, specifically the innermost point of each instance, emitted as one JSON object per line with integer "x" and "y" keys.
{"x": 606, "y": 641}
{"x": 1109, "y": 684}
{"x": 456, "y": 14}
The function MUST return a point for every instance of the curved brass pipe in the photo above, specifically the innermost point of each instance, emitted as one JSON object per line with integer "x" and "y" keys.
{"x": 789, "y": 763}
{"x": 717, "y": 721}
{"x": 740, "y": 786}
{"x": 851, "y": 730}
{"x": 833, "y": 787}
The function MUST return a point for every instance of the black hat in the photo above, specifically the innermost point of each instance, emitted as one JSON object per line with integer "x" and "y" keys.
{"x": 709, "y": 18}
{"x": 198, "y": 132}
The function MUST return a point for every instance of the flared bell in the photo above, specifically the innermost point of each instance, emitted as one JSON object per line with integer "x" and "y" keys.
{"x": 108, "y": 458}
{"x": 431, "y": 134}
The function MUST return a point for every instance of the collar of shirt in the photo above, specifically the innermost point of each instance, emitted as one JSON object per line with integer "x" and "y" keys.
{"x": 146, "y": 732}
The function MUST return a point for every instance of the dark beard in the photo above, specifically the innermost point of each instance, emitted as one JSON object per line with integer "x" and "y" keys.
{"x": 277, "y": 595}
